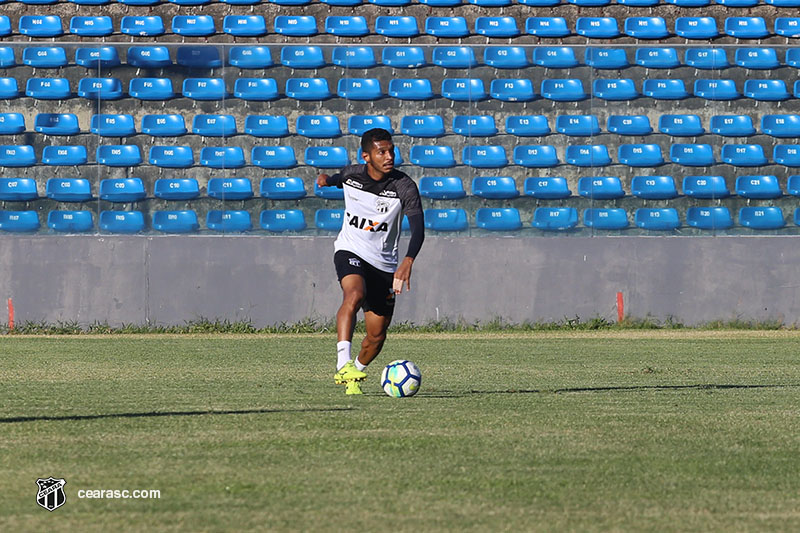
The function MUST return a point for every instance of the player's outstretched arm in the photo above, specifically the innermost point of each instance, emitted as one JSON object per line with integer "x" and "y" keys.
{"x": 322, "y": 180}
{"x": 402, "y": 275}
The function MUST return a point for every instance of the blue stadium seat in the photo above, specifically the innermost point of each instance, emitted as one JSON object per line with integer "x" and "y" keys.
{"x": 205, "y": 57}
{"x": 606, "y": 58}
{"x": 295, "y": 25}
{"x": 65, "y": 156}
{"x": 793, "y": 57}
{"x": 500, "y": 27}
{"x": 484, "y": 156}
{"x": 48, "y": 88}
{"x": 680, "y": 125}
{"x": 318, "y": 126}
{"x": 600, "y": 188}
{"x": 597, "y": 27}
{"x": 346, "y": 26}
{"x": 276, "y": 157}
{"x": 547, "y": 188}
{"x": 183, "y": 221}
{"x": 707, "y": 58}
{"x": 163, "y": 125}
{"x": 229, "y": 220}
{"x": 615, "y": 89}
{"x": 787, "y": 26}
{"x": 743, "y": 155}
{"x": 527, "y": 125}
{"x": 454, "y": 57}
{"x": 250, "y": 57}
{"x": 8, "y": 88}
{"x": 41, "y": 25}
{"x": 554, "y": 57}
{"x": 498, "y": 218}
{"x": 193, "y": 25}
{"x": 403, "y": 57}
{"x": 280, "y": 220}
{"x": 761, "y": 187}
{"x": 614, "y": 218}
{"x": 266, "y": 126}
{"x": 710, "y": 218}
{"x": 446, "y": 27}
{"x": 746, "y": 27}
{"x": 506, "y": 90}
{"x": 692, "y": 155}
{"x": 555, "y": 218}
{"x": 17, "y": 189}
{"x": 14, "y": 155}
{"x": 787, "y": 155}
{"x": 446, "y": 219}
{"x": 120, "y": 155}
{"x": 244, "y": 25}
{"x": 354, "y": 57}
{"x": 640, "y": 155}
{"x": 781, "y": 126}
{"x": 396, "y": 26}
{"x": 56, "y": 124}
{"x": 329, "y": 219}
{"x": 497, "y": 188}
{"x": 68, "y": 189}
{"x": 422, "y": 125}
{"x": 547, "y": 26}
{"x": 108, "y": 125}
{"x": 432, "y": 156}
{"x": 701, "y": 28}
{"x": 797, "y": 89}
{"x": 214, "y": 125}
{"x": 99, "y": 26}
{"x": 12, "y": 123}
{"x": 793, "y": 185}
{"x": 360, "y": 89}
{"x": 307, "y": 89}
{"x": 171, "y": 156}
{"x": 663, "y": 89}
{"x": 70, "y": 221}
{"x": 176, "y": 189}
{"x": 657, "y": 219}
{"x": 151, "y": 88}
{"x": 766, "y": 90}
{"x": 122, "y": 190}
{"x": 578, "y": 125}
{"x": 646, "y": 27}
{"x": 732, "y": 125}
{"x": 328, "y": 193}
{"x": 442, "y": 188}
{"x": 716, "y": 89}
{"x": 283, "y": 188}
{"x": 7, "y": 57}
{"x": 358, "y": 124}
{"x": 705, "y": 187}
{"x": 142, "y": 26}
{"x": 5, "y": 26}
{"x": 256, "y": 89}
{"x": 100, "y": 88}
{"x": 205, "y": 89}
{"x": 122, "y": 221}
{"x": 757, "y": 58}
{"x": 474, "y": 125}
{"x": 302, "y": 57}
{"x": 222, "y": 157}
{"x": 508, "y": 57}
{"x": 657, "y": 58}
{"x": 464, "y": 89}
{"x": 19, "y": 221}
{"x": 588, "y": 155}
{"x": 563, "y": 90}
{"x": 629, "y": 124}
{"x": 95, "y": 58}
{"x": 327, "y": 157}
{"x": 44, "y": 56}
{"x": 411, "y": 89}
{"x": 538, "y": 156}
{"x": 761, "y": 218}
{"x": 230, "y": 188}
{"x": 654, "y": 187}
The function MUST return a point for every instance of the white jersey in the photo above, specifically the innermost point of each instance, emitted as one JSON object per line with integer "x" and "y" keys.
{"x": 373, "y": 213}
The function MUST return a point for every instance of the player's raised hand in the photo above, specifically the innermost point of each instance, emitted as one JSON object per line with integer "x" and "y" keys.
{"x": 322, "y": 180}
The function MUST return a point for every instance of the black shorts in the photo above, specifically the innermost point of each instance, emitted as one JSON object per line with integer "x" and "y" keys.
{"x": 379, "y": 296}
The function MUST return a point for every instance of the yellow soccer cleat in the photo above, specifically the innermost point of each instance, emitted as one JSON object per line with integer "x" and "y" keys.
{"x": 348, "y": 373}
{"x": 353, "y": 387}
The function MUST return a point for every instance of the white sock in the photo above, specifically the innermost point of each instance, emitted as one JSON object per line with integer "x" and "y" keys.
{"x": 359, "y": 365}
{"x": 342, "y": 353}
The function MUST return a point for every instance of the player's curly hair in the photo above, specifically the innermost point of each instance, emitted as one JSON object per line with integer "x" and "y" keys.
{"x": 373, "y": 135}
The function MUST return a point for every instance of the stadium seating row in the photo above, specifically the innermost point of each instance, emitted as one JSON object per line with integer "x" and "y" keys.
{"x": 369, "y": 89}
{"x": 421, "y": 126}
{"x": 455, "y": 219}
{"x": 363, "y": 57}
{"x": 699, "y": 28}
{"x": 124, "y": 190}
{"x": 439, "y": 3}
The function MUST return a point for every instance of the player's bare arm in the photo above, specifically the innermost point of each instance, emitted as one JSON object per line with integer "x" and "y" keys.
{"x": 402, "y": 275}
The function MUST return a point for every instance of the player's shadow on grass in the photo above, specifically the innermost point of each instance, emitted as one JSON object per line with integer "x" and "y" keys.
{"x": 16, "y": 419}
{"x": 627, "y": 388}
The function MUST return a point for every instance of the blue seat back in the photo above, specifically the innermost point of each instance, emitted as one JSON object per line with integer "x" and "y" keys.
{"x": 527, "y": 125}
{"x": 512, "y": 90}
{"x": 640, "y": 155}
{"x": 230, "y": 188}
{"x": 329, "y": 219}
{"x": 403, "y": 57}
{"x": 555, "y": 57}
{"x": 17, "y": 189}
{"x": 250, "y": 57}
{"x": 170, "y": 125}
{"x": 222, "y": 156}
{"x": 536, "y": 156}
{"x": 283, "y": 188}
{"x": 502, "y": 187}
{"x": 508, "y": 57}
{"x": 229, "y": 220}
{"x": 391, "y": 26}
{"x": 588, "y": 155}
{"x": 181, "y": 221}
{"x": 101, "y": 57}
{"x": 428, "y": 156}
{"x": 204, "y": 88}
{"x": 44, "y": 57}
{"x": 454, "y": 57}
{"x": 214, "y": 125}
{"x": 710, "y": 218}
{"x": 56, "y": 123}
{"x": 68, "y": 189}
{"x": 732, "y": 125}
{"x": 597, "y": 27}
{"x": 64, "y": 155}
{"x": 758, "y": 187}
{"x": 124, "y": 155}
{"x": 708, "y": 187}
{"x": 199, "y": 57}
{"x": 629, "y": 124}
{"x": 657, "y": 58}
{"x": 657, "y": 219}
{"x": 151, "y": 88}
{"x": 307, "y": 89}
{"x": 600, "y": 187}
{"x": 464, "y": 89}
{"x": 555, "y": 218}
{"x": 654, "y": 187}
{"x": 606, "y": 58}
{"x": 346, "y": 26}
{"x": 780, "y": 126}
{"x": 484, "y": 156}
{"x": 108, "y": 125}
{"x": 256, "y": 89}
{"x": 692, "y": 155}
{"x": 276, "y": 157}
{"x": 743, "y": 155}
{"x": 474, "y": 125}
{"x": 498, "y": 218}
{"x": 707, "y": 58}
{"x": 12, "y": 123}
{"x": 171, "y": 156}
{"x": 605, "y": 218}
{"x": 354, "y": 57}
{"x": 280, "y": 220}
{"x": 19, "y": 221}
{"x": 578, "y": 125}
{"x": 563, "y": 90}
{"x": 122, "y": 221}
{"x": 122, "y": 190}
{"x": 761, "y": 218}
{"x": 176, "y": 188}
{"x": 446, "y": 219}
{"x": 327, "y": 157}
{"x": 150, "y": 26}
{"x": 680, "y": 125}
{"x": 302, "y": 57}
{"x": 15, "y": 155}
{"x": 547, "y": 188}
{"x": 442, "y": 188}
{"x": 318, "y": 126}
{"x": 70, "y": 221}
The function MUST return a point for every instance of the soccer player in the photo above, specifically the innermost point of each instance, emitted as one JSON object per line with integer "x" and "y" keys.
{"x": 376, "y": 195}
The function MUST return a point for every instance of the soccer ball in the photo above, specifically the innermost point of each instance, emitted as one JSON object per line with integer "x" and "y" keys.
{"x": 401, "y": 379}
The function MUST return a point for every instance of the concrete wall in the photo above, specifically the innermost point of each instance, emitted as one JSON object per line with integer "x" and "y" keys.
{"x": 269, "y": 280}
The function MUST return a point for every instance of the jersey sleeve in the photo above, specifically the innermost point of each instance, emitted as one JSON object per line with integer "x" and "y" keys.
{"x": 408, "y": 193}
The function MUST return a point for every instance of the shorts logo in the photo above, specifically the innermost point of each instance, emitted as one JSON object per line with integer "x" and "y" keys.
{"x": 51, "y": 493}
{"x": 355, "y": 262}
{"x": 381, "y": 206}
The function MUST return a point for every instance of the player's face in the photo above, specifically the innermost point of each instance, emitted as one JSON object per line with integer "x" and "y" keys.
{"x": 381, "y": 156}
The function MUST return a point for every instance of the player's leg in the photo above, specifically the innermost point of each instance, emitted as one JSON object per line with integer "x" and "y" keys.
{"x": 352, "y": 297}
{"x": 377, "y": 326}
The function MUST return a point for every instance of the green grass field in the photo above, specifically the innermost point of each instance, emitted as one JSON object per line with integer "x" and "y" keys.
{"x": 621, "y": 431}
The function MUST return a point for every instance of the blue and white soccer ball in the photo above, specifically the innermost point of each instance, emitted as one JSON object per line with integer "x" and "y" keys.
{"x": 401, "y": 379}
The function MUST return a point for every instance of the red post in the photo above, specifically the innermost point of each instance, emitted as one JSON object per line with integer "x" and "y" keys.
{"x": 10, "y": 314}
{"x": 620, "y": 307}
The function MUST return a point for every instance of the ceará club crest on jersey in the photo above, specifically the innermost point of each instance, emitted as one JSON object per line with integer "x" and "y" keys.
{"x": 51, "y": 494}
{"x": 381, "y": 206}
